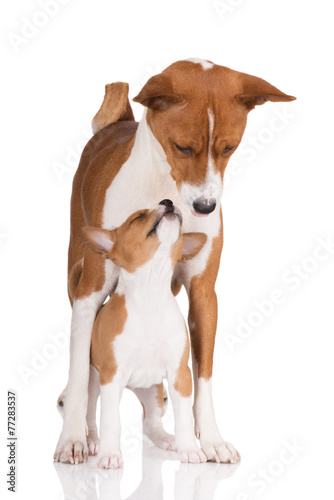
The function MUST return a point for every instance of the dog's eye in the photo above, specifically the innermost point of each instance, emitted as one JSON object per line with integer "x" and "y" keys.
{"x": 227, "y": 150}
{"x": 186, "y": 151}
{"x": 140, "y": 216}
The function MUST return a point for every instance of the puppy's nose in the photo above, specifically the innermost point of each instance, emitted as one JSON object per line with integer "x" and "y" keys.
{"x": 167, "y": 203}
{"x": 203, "y": 206}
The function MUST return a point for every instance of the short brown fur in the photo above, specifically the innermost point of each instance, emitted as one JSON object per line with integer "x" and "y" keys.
{"x": 104, "y": 334}
{"x": 183, "y": 382}
{"x": 203, "y": 309}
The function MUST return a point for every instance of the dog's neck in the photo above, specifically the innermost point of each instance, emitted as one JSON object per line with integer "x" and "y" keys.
{"x": 151, "y": 279}
{"x": 147, "y": 143}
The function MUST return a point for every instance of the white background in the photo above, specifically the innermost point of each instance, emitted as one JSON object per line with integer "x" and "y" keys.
{"x": 271, "y": 388}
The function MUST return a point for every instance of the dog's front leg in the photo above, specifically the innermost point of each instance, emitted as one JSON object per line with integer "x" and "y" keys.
{"x": 89, "y": 296}
{"x": 202, "y": 325}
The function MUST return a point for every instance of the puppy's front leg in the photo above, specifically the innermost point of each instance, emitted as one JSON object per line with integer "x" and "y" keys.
{"x": 110, "y": 456}
{"x": 180, "y": 389}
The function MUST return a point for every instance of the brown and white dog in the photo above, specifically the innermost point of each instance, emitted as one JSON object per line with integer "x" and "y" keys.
{"x": 139, "y": 336}
{"x": 195, "y": 116}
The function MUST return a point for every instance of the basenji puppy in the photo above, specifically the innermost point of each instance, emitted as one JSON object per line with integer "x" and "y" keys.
{"x": 194, "y": 119}
{"x": 139, "y": 336}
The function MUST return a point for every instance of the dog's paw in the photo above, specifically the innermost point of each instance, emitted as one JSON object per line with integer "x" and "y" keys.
{"x": 71, "y": 452}
{"x": 221, "y": 452}
{"x": 93, "y": 442}
{"x": 111, "y": 460}
{"x": 192, "y": 456}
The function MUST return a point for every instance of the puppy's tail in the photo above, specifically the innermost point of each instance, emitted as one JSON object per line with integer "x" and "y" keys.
{"x": 115, "y": 107}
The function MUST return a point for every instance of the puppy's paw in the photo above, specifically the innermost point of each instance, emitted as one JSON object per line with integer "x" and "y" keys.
{"x": 109, "y": 460}
{"x": 221, "y": 452}
{"x": 192, "y": 456}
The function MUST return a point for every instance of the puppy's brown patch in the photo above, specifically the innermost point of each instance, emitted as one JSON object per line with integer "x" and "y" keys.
{"x": 104, "y": 334}
{"x": 183, "y": 382}
{"x": 160, "y": 395}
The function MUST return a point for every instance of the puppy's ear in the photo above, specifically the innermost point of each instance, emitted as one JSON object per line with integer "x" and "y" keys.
{"x": 158, "y": 93}
{"x": 192, "y": 245}
{"x": 257, "y": 91}
{"x": 99, "y": 240}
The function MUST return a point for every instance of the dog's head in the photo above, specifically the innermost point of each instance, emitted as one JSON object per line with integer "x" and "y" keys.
{"x": 198, "y": 112}
{"x": 146, "y": 234}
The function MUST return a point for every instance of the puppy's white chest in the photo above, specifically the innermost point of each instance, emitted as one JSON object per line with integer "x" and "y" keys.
{"x": 147, "y": 366}
{"x": 151, "y": 344}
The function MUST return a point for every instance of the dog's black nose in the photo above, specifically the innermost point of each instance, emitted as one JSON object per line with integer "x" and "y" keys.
{"x": 203, "y": 206}
{"x": 167, "y": 203}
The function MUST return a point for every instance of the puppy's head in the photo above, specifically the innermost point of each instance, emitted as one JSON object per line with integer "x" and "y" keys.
{"x": 144, "y": 235}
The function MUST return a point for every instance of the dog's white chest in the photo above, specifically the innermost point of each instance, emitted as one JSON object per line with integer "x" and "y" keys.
{"x": 135, "y": 188}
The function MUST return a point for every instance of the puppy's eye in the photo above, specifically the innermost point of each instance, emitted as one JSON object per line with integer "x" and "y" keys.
{"x": 140, "y": 216}
{"x": 227, "y": 150}
{"x": 186, "y": 151}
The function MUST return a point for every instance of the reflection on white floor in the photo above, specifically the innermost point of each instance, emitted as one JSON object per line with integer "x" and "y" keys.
{"x": 163, "y": 477}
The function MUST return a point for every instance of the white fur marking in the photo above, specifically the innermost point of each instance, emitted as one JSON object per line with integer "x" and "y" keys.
{"x": 213, "y": 186}
{"x": 211, "y": 441}
{"x": 203, "y": 62}
{"x": 110, "y": 456}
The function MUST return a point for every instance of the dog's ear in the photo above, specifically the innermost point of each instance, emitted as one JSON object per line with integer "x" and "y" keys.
{"x": 158, "y": 93}
{"x": 256, "y": 91}
{"x": 99, "y": 240}
{"x": 192, "y": 245}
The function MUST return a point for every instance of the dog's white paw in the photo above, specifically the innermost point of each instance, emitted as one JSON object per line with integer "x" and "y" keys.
{"x": 221, "y": 452}
{"x": 93, "y": 442}
{"x": 71, "y": 452}
{"x": 192, "y": 456}
{"x": 111, "y": 460}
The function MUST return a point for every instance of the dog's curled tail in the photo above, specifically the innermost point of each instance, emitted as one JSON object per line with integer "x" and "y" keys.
{"x": 115, "y": 107}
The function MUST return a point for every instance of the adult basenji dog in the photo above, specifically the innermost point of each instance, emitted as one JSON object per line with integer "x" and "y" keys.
{"x": 195, "y": 116}
{"x": 139, "y": 336}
